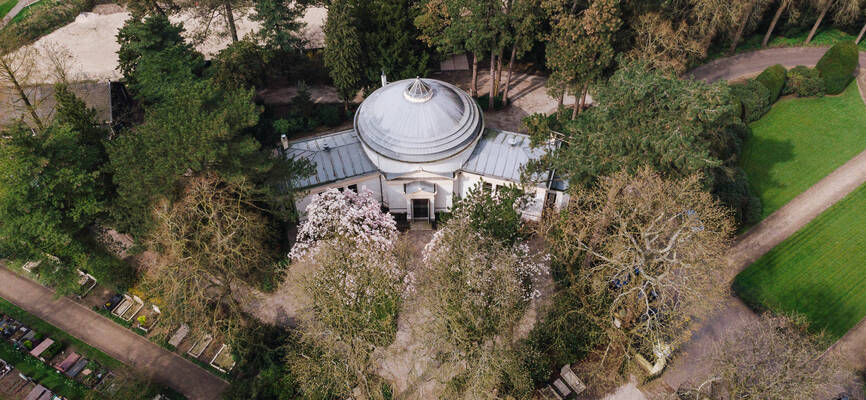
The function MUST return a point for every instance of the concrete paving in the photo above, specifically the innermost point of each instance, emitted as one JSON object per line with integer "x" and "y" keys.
{"x": 161, "y": 365}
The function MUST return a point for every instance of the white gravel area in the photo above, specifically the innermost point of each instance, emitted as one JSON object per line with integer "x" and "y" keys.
{"x": 90, "y": 41}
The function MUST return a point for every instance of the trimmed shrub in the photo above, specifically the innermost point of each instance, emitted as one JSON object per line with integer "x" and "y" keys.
{"x": 804, "y": 82}
{"x": 837, "y": 66}
{"x": 755, "y": 99}
{"x": 773, "y": 78}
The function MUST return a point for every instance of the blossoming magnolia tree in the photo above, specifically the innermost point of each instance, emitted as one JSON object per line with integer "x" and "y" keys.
{"x": 357, "y": 289}
{"x": 357, "y": 217}
{"x": 477, "y": 289}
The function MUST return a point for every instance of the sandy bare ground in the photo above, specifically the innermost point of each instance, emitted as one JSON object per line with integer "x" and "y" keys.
{"x": 528, "y": 96}
{"x": 91, "y": 41}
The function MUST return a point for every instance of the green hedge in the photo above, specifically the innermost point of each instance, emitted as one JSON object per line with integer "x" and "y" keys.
{"x": 837, "y": 66}
{"x": 804, "y": 82}
{"x": 755, "y": 99}
{"x": 773, "y": 78}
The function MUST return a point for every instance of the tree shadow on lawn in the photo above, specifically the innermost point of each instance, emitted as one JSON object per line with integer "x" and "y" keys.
{"x": 818, "y": 306}
{"x": 764, "y": 154}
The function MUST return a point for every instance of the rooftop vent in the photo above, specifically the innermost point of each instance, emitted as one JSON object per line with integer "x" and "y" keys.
{"x": 418, "y": 91}
{"x": 512, "y": 141}
{"x": 326, "y": 145}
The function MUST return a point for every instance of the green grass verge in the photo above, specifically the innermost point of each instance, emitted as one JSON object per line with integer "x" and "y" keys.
{"x": 42, "y": 373}
{"x": 801, "y": 141}
{"x": 7, "y": 6}
{"x": 53, "y": 332}
{"x": 818, "y": 272}
{"x": 25, "y": 12}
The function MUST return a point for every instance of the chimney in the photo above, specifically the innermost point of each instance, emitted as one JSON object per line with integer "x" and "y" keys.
{"x": 384, "y": 79}
{"x": 285, "y": 141}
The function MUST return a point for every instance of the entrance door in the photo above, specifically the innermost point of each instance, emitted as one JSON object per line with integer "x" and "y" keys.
{"x": 420, "y": 209}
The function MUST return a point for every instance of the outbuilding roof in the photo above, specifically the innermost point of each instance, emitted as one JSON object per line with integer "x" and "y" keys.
{"x": 502, "y": 155}
{"x": 336, "y": 157}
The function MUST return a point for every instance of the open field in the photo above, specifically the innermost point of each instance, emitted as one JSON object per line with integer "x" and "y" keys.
{"x": 818, "y": 272}
{"x": 799, "y": 142}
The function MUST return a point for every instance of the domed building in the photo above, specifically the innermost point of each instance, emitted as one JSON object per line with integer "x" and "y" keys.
{"x": 416, "y": 144}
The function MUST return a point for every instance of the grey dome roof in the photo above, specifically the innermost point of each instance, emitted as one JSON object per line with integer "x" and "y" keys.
{"x": 419, "y": 120}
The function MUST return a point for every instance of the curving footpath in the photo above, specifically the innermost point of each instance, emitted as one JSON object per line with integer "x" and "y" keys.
{"x": 14, "y": 11}
{"x": 777, "y": 227}
{"x": 753, "y": 62}
{"x": 161, "y": 365}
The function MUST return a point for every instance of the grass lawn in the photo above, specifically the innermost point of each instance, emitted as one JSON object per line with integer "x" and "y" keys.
{"x": 6, "y": 6}
{"x": 801, "y": 141}
{"x": 819, "y": 272}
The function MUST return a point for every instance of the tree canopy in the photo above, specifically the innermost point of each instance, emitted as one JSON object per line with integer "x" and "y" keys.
{"x": 52, "y": 188}
{"x": 647, "y": 117}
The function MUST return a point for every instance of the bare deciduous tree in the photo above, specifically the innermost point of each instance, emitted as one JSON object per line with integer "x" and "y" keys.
{"x": 645, "y": 255}
{"x": 17, "y": 69}
{"x": 773, "y": 359}
{"x": 210, "y": 243}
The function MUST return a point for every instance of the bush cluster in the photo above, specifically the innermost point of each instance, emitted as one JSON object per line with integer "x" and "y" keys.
{"x": 803, "y": 81}
{"x": 837, "y": 66}
{"x": 754, "y": 98}
{"x": 774, "y": 79}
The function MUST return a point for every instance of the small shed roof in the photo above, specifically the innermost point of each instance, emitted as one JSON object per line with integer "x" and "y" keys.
{"x": 37, "y": 392}
{"x": 96, "y": 95}
{"x": 336, "y": 157}
{"x": 41, "y": 347}
{"x": 68, "y": 362}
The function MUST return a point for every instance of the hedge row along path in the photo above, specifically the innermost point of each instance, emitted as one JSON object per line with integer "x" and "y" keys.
{"x": 688, "y": 365}
{"x": 161, "y": 365}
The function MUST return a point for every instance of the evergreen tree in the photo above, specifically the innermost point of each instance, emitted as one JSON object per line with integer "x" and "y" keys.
{"x": 52, "y": 188}
{"x": 343, "y": 49}
{"x": 389, "y": 41}
{"x": 581, "y": 45}
{"x": 281, "y": 23}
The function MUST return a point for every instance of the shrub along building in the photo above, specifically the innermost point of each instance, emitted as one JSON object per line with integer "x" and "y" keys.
{"x": 417, "y": 144}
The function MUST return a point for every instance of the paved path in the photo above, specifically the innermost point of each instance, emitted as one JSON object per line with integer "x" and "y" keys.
{"x": 162, "y": 365}
{"x": 753, "y": 62}
{"x": 15, "y": 10}
{"x": 775, "y": 228}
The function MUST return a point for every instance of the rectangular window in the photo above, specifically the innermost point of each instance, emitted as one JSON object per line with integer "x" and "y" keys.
{"x": 353, "y": 188}
{"x": 487, "y": 187}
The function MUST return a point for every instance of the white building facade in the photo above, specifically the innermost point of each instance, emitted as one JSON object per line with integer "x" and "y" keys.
{"x": 416, "y": 144}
